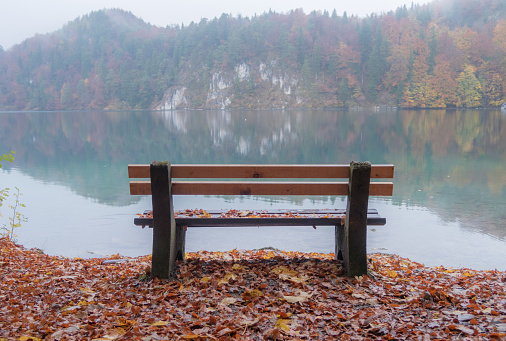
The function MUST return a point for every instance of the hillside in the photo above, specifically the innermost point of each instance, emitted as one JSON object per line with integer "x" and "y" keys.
{"x": 447, "y": 53}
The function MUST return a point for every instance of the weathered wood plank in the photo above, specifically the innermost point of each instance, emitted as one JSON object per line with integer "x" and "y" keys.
{"x": 381, "y": 189}
{"x": 140, "y": 187}
{"x": 262, "y": 171}
{"x": 138, "y": 171}
{"x": 382, "y": 171}
{"x": 260, "y": 188}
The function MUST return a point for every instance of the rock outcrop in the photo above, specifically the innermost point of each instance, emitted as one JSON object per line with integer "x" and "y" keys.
{"x": 261, "y": 86}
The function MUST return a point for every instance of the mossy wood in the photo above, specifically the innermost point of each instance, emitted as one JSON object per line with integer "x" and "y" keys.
{"x": 169, "y": 231}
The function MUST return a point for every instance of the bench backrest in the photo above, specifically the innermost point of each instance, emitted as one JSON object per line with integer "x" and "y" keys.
{"x": 241, "y": 177}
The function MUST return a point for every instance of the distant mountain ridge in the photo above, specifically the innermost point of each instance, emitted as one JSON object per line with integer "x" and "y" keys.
{"x": 443, "y": 54}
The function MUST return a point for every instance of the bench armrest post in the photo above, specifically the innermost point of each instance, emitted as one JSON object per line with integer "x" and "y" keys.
{"x": 353, "y": 242}
{"x": 164, "y": 223}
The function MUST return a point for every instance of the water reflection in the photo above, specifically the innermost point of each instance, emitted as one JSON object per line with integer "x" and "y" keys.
{"x": 450, "y": 163}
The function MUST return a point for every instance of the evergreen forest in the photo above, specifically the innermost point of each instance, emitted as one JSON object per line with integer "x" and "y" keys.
{"x": 444, "y": 54}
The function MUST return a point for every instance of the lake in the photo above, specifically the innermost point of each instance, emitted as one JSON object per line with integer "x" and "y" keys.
{"x": 448, "y": 206}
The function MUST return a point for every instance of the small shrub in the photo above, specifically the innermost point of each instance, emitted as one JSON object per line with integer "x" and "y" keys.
{"x": 7, "y": 230}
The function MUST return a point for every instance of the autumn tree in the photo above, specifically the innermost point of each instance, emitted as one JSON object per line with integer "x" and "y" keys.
{"x": 492, "y": 85}
{"x": 468, "y": 88}
{"x": 448, "y": 50}
{"x": 401, "y": 35}
{"x": 443, "y": 84}
{"x": 499, "y": 39}
{"x": 464, "y": 38}
{"x": 419, "y": 92}
{"x": 21, "y": 97}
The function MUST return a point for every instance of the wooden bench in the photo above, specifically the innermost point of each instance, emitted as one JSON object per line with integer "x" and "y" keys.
{"x": 350, "y": 223}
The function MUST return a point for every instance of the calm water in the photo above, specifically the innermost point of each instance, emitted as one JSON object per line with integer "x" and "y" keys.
{"x": 449, "y": 188}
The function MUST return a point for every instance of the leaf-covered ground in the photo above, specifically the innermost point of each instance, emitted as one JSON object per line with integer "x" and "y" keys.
{"x": 244, "y": 295}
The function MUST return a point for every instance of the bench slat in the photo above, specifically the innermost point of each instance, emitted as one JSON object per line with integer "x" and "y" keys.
{"x": 260, "y": 188}
{"x": 314, "y": 218}
{"x": 262, "y": 171}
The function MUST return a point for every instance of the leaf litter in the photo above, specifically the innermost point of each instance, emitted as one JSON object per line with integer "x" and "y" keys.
{"x": 245, "y": 295}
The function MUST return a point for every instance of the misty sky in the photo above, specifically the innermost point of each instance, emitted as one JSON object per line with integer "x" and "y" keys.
{"x": 21, "y": 19}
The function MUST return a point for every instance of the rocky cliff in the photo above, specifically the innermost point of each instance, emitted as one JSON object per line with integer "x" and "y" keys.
{"x": 263, "y": 86}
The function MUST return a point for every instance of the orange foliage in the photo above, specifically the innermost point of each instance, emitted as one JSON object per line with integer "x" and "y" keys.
{"x": 244, "y": 295}
{"x": 500, "y": 36}
{"x": 464, "y": 38}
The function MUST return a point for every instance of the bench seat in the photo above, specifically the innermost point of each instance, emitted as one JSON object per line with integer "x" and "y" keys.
{"x": 313, "y": 217}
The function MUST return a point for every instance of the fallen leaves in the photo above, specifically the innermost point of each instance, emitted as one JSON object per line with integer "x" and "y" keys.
{"x": 299, "y": 296}
{"x": 246, "y": 295}
{"x": 200, "y": 213}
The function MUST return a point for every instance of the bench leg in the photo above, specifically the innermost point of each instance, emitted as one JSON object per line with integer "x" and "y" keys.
{"x": 339, "y": 242}
{"x": 180, "y": 241}
{"x": 164, "y": 223}
{"x": 354, "y": 243}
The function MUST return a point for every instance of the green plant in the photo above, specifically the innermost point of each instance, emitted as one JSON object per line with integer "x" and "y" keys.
{"x": 7, "y": 157}
{"x": 4, "y": 192}
{"x": 17, "y": 217}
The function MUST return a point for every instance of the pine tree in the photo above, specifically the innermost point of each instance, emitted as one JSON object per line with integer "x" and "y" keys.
{"x": 377, "y": 65}
{"x": 234, "y": 48}
{"x": 317, "y": 56}
{"x": 301, "y": 51}
{"x": 66, "y": 96}
{"x": 431, "y": 59}
{"x": 344, "y": 92}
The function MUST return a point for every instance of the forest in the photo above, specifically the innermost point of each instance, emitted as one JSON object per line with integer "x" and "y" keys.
{"x": 444, "y": 54}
